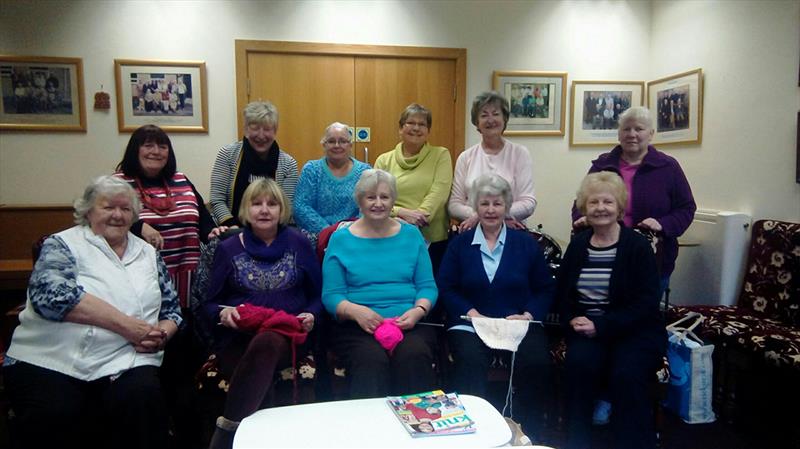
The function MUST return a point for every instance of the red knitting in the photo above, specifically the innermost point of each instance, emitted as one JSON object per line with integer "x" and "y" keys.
{"x": 258, "y": 320}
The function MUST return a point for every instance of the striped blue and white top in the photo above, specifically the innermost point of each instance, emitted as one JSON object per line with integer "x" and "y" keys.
{"x": 594, "y": 280}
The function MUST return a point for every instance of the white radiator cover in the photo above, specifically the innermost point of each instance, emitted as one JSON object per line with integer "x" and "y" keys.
{"x": 711, "y": 259}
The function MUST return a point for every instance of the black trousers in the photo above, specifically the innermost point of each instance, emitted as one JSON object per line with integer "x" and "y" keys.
{"x": 532, "y": 373}
{"x": 55, "y": 410}
{"x": 625, "y": 370}
{"x": 373, "y": 372}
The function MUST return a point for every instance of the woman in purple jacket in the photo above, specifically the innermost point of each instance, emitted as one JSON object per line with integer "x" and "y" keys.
{"x": 659, "y": 196}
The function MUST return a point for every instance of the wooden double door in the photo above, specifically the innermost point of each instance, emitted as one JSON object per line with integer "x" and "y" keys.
{"x": 313, "y": 85}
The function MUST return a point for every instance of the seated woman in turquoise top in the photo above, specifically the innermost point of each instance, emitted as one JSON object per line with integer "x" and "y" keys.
{"x": 324, "y": 194}
{"x": 378, "y": 268}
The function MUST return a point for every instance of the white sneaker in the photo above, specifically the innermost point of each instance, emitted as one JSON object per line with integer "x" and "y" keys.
{"x": 602, "y": 413}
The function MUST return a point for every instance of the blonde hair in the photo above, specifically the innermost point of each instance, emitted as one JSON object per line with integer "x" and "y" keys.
{"x": 264, "y": 188}
{"x": 261, "y": 113}
{"x": 602, "y": 182}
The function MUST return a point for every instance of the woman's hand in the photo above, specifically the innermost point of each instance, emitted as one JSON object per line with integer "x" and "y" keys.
{"x": 651, "y": 224}
{"x": 228, "y": 317}
{"x": 468, "y": 224}
{"x": 135, "y": 330}
{"x": 306, "y": 321}
{"x": 473, "y": 313}
{"x": 414, "y": 217}
{"x": 580, "y": 223}
{"x": 153, "y": 342}
{"x": 583, "y": 326}
{"x": 151, "y": 236}
{"x": 366, "y": 318}
{"x": 513, "y": 223}
{"x": 217, "y": 231}
{"x": 522, "y": 316}
{"x": 410, "y": 318}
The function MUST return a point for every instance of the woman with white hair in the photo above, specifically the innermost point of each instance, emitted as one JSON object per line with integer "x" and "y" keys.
{"x": 101, "y": 307}
{"x": 325, "y": 192}
{"x": 378, "y": 269}
{"x": 495, "y": 271}
{"x": 256, "y": 156}
{"x": 659, "y": 196}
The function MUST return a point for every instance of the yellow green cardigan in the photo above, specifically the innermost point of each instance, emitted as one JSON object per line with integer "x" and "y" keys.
{"x": 423, "y": 182}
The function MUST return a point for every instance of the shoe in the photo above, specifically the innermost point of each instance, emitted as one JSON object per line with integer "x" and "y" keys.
{"x": 602, "y": 413}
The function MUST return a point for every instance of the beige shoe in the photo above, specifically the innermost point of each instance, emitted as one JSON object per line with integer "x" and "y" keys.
{"x": 518, "y": 438}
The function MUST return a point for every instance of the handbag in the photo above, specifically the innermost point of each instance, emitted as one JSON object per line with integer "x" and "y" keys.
{"x": 690, "y": 389}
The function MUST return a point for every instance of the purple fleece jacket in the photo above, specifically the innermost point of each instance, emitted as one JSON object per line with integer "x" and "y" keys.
{"x": 660, "y": 191}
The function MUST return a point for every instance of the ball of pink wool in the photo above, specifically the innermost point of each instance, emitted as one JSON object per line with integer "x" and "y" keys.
{"x": 388, "y": 334}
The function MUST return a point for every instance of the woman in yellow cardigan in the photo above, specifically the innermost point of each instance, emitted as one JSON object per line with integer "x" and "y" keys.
{"x": 424, "y": 176}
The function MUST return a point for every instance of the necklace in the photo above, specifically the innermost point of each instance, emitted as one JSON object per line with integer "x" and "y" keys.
{"x": 157, "y": 204}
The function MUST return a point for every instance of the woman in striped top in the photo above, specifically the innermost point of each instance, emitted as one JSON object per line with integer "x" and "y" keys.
{"x": 256, "y": 156}
{"x": 173, "y": 218}
{"x": 607, "y": 292}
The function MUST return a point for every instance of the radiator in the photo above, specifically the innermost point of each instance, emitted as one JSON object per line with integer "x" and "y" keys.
{"x": 711, "y": 259}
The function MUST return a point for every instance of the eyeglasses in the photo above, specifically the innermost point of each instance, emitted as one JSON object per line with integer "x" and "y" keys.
{"x": 339, "y": 142}
{"x": 416, "y": 124}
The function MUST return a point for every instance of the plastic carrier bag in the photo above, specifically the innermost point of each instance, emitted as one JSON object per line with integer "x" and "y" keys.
{"x": 690, "y": 388}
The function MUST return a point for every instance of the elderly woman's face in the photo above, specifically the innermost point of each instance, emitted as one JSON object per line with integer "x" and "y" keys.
{"x": 152, "y": 158}
{"x": 337, "y": 145}
{"x": 491, "y": 211}
{"x": 260, "y": 136}
{"x": 415, "y": 130}
{"x": 601, "y": 209}
{"x": 264, "y": 215}
{"x": 634, "y": 136}
{"x": 111, "y": 217}
{"x": 377, "y": 204}
{"x": 490, "y": 120}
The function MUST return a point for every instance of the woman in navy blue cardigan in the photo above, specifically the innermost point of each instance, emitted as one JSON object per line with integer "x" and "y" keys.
{"x": 497, "y": 272}
{"x": 607, "y": 296}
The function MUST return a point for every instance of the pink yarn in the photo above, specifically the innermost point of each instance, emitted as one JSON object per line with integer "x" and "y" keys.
{"x": 388, "y": 334}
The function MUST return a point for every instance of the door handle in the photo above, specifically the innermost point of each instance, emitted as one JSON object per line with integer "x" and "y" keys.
{"x": 366, "y": 155}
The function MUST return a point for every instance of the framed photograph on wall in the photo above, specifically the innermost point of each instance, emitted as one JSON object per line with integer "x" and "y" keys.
{"x": 596, "y": 106}
{"x": 537, "y": 101}
{"x": 676, "y": 103}
{"x": 42, "y": 93}
{"x": 169, "y": 94}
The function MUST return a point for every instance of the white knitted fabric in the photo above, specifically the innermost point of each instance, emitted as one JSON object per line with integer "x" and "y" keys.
{"x": 500, "y": 333}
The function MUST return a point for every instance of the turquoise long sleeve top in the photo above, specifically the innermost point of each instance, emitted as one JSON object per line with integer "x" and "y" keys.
{"x": 322, "y": 199}
{"x": 385, "y": 274}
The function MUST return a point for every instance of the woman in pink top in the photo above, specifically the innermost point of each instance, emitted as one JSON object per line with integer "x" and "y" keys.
{"x": 493, "y": 155}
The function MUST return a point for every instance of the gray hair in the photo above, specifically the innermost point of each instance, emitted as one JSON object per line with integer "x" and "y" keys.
{"x": 105, "y": 186}
{"x": 339, "y": 126}
{"x": 490, "y": 185}
{"x": 637, "y": 113}
{"x": 369, "y": 181}
{"x": 416, "y": 109}
{"x": 261, "y": 113}
{"x": 490, "y": 98}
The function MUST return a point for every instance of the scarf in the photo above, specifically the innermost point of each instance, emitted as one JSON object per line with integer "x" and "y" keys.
{"x": 251, "y": 164}
{"x": 259, "y": 250}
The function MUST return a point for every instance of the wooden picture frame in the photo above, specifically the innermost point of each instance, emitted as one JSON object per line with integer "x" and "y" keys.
{"x": 595, "y": 109}
{"x": 42, "y": 93}
{"x": 169, "y": 94}
{"x": 676, "y": 103}
{"x": 537, "y": 101}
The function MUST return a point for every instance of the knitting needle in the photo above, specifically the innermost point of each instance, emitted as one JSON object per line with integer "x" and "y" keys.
{"x": 469, "y": 318}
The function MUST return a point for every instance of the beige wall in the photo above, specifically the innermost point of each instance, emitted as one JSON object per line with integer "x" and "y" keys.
{"x": 748, "y": 51}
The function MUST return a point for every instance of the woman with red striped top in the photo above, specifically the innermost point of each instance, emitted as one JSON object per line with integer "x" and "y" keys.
{"x": 174, "y": 218}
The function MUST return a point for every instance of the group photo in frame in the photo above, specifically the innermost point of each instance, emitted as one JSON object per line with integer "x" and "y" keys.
{"x": 676, "y": 103}
{"x": 42, "y": 93}
{"x": 595, "y": 110}
{"x": 169, "y": 94}
{"x": 537, "y": 101}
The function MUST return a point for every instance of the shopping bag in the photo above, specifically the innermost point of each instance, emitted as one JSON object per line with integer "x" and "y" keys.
{"x": 690, "y": 389}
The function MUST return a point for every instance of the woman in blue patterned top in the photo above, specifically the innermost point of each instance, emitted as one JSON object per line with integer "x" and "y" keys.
{"x": 376, "y": 269}
{"x": 607, "y": 292}
{"x": 101, "y": 307}
{"x": 267, "y": 265}
{"x": 324, "y": 194}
